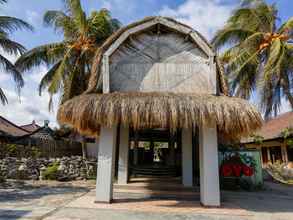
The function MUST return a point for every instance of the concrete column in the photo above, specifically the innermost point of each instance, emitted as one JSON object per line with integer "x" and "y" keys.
{"x": 209, "y": 167}
{"x": 187, "y": 168}
{"x": 106, "y": 165}
{"x": 123, "y": 155}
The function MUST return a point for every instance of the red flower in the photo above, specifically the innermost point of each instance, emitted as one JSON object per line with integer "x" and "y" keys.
{"x": 237, "y": 170}
{"x": 247, "y": 171}
{"x": 226, "y": 170}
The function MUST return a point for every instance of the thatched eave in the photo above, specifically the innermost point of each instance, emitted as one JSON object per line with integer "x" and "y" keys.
{"x": 233, "y": 116}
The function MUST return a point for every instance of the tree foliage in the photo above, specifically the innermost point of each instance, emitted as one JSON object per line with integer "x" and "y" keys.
{"x": 69, "y": 60}
{"x": 257, "y": 54}
{"x": 8, "y": 25}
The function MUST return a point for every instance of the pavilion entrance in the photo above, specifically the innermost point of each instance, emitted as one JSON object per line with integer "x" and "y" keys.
{"x": 157, "y": 153}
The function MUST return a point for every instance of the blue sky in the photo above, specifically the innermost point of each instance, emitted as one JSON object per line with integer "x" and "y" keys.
{"x": 205, "y": 16}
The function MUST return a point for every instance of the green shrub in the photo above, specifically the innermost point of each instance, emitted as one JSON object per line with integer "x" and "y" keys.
{"x": 36, "y": 153}
{"x": 51, "y": 173}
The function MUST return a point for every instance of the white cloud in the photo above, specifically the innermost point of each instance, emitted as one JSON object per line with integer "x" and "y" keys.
{"x": 37, "y": 74}
{"x": 28, "y": 107}
{"x": 205, "y": 16}
{"x": 3, "y": 77}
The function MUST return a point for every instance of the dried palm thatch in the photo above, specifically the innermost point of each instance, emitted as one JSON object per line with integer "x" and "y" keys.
{"x": 233, "y": 116}
{"x": 95, "y": 81}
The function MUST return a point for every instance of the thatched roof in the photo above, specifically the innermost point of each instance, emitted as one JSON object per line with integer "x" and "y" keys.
{"x": 233, "y": 116}
{"x": 95, "y": 81}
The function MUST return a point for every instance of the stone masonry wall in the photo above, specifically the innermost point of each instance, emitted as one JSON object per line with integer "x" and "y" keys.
{"x": 69, "y": 168}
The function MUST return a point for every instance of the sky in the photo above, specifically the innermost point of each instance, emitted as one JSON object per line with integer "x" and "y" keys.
{"x": 206, "y": 16}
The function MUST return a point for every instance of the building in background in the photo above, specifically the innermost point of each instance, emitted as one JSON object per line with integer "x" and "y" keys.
{"x": 274, "y": 140}
{"x": 9, "y": 129}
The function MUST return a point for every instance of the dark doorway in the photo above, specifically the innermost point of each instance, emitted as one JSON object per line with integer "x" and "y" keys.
{"x": 276, "y": 154}
{"x": 290, "y": 153}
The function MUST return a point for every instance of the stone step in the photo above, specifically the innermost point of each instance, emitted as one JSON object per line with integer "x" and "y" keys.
{"x": 153, "y": 171}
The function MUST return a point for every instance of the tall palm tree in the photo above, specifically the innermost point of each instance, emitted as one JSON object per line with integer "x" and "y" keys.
{"x": 7, "y": 26}
{"x": 69, "y": 60}
{"x": 257, "y": 54}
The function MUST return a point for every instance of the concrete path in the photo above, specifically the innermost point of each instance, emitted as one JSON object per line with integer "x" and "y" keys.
{"x": 64, "y": 201}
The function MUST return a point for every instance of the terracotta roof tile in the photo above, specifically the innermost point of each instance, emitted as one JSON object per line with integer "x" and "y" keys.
{"x": 31, "y": 127}
{"x": 9, "y": 128}
{"x": 273, "y": 127}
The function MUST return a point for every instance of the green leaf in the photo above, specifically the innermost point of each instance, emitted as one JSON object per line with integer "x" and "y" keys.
{"x": 11, "y": 24}
{"x": 47, "y": 78}
{"x": 3, "y": 98}
{"x": 11, "y": 69}
{"x": 45, "y": 54}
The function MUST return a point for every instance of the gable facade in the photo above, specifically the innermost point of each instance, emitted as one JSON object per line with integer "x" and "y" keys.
{"x": 161, "y": 56}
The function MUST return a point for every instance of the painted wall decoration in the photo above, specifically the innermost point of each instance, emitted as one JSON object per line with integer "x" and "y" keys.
{"x": 241, "y": 168}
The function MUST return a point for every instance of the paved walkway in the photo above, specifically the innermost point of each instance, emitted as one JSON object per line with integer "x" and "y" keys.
{"x": 141, "y": 200}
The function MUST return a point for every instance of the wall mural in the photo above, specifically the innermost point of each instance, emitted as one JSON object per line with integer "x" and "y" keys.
{"x": 240, "y": 169}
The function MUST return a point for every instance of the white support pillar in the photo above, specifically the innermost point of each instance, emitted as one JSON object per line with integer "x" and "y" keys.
{"x": 123, "y": 155}
{"x": 209, "y": 167}
{"x": 106, "y": 165}
{"x": 187, "y": 171}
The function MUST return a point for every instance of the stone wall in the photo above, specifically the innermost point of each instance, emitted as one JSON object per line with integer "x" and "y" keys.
{"x": 68, "y": 168}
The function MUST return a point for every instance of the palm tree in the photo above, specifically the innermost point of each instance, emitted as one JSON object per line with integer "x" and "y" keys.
{"x": 7, "y": 26}
{"x": 257, "y": 54}
{"x": 69, "y": 60}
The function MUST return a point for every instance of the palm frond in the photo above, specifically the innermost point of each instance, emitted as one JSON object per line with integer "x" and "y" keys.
{"x": 11, "y": 47}
{"x": 230, "y": 36}
{"x": 287, "y": 27}
{"x": 11, "y": 24}
{"x": 3, "y": 98}
{"x": 61, "y": 22}
{"x": 275, "y": 54}
{"x": 47, "y": 78}
{"x": 56, "y": 81}
{"x": 248, "y": 53}
{"x": 45, "y": 54}
{"x": 11, "y": 69}
{"x": 244, "y": 82}
{"x": 78, "y": 14}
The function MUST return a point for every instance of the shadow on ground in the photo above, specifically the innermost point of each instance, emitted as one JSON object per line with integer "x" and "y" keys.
{"x": 13, "y": 191}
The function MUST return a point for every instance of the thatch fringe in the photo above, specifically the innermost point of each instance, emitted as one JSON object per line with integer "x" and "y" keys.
{"x": 234, "y": 117}
{"x": 96, "y": 79}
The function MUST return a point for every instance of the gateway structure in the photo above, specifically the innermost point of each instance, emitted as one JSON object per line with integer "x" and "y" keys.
{"x": 158, "y": 79}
